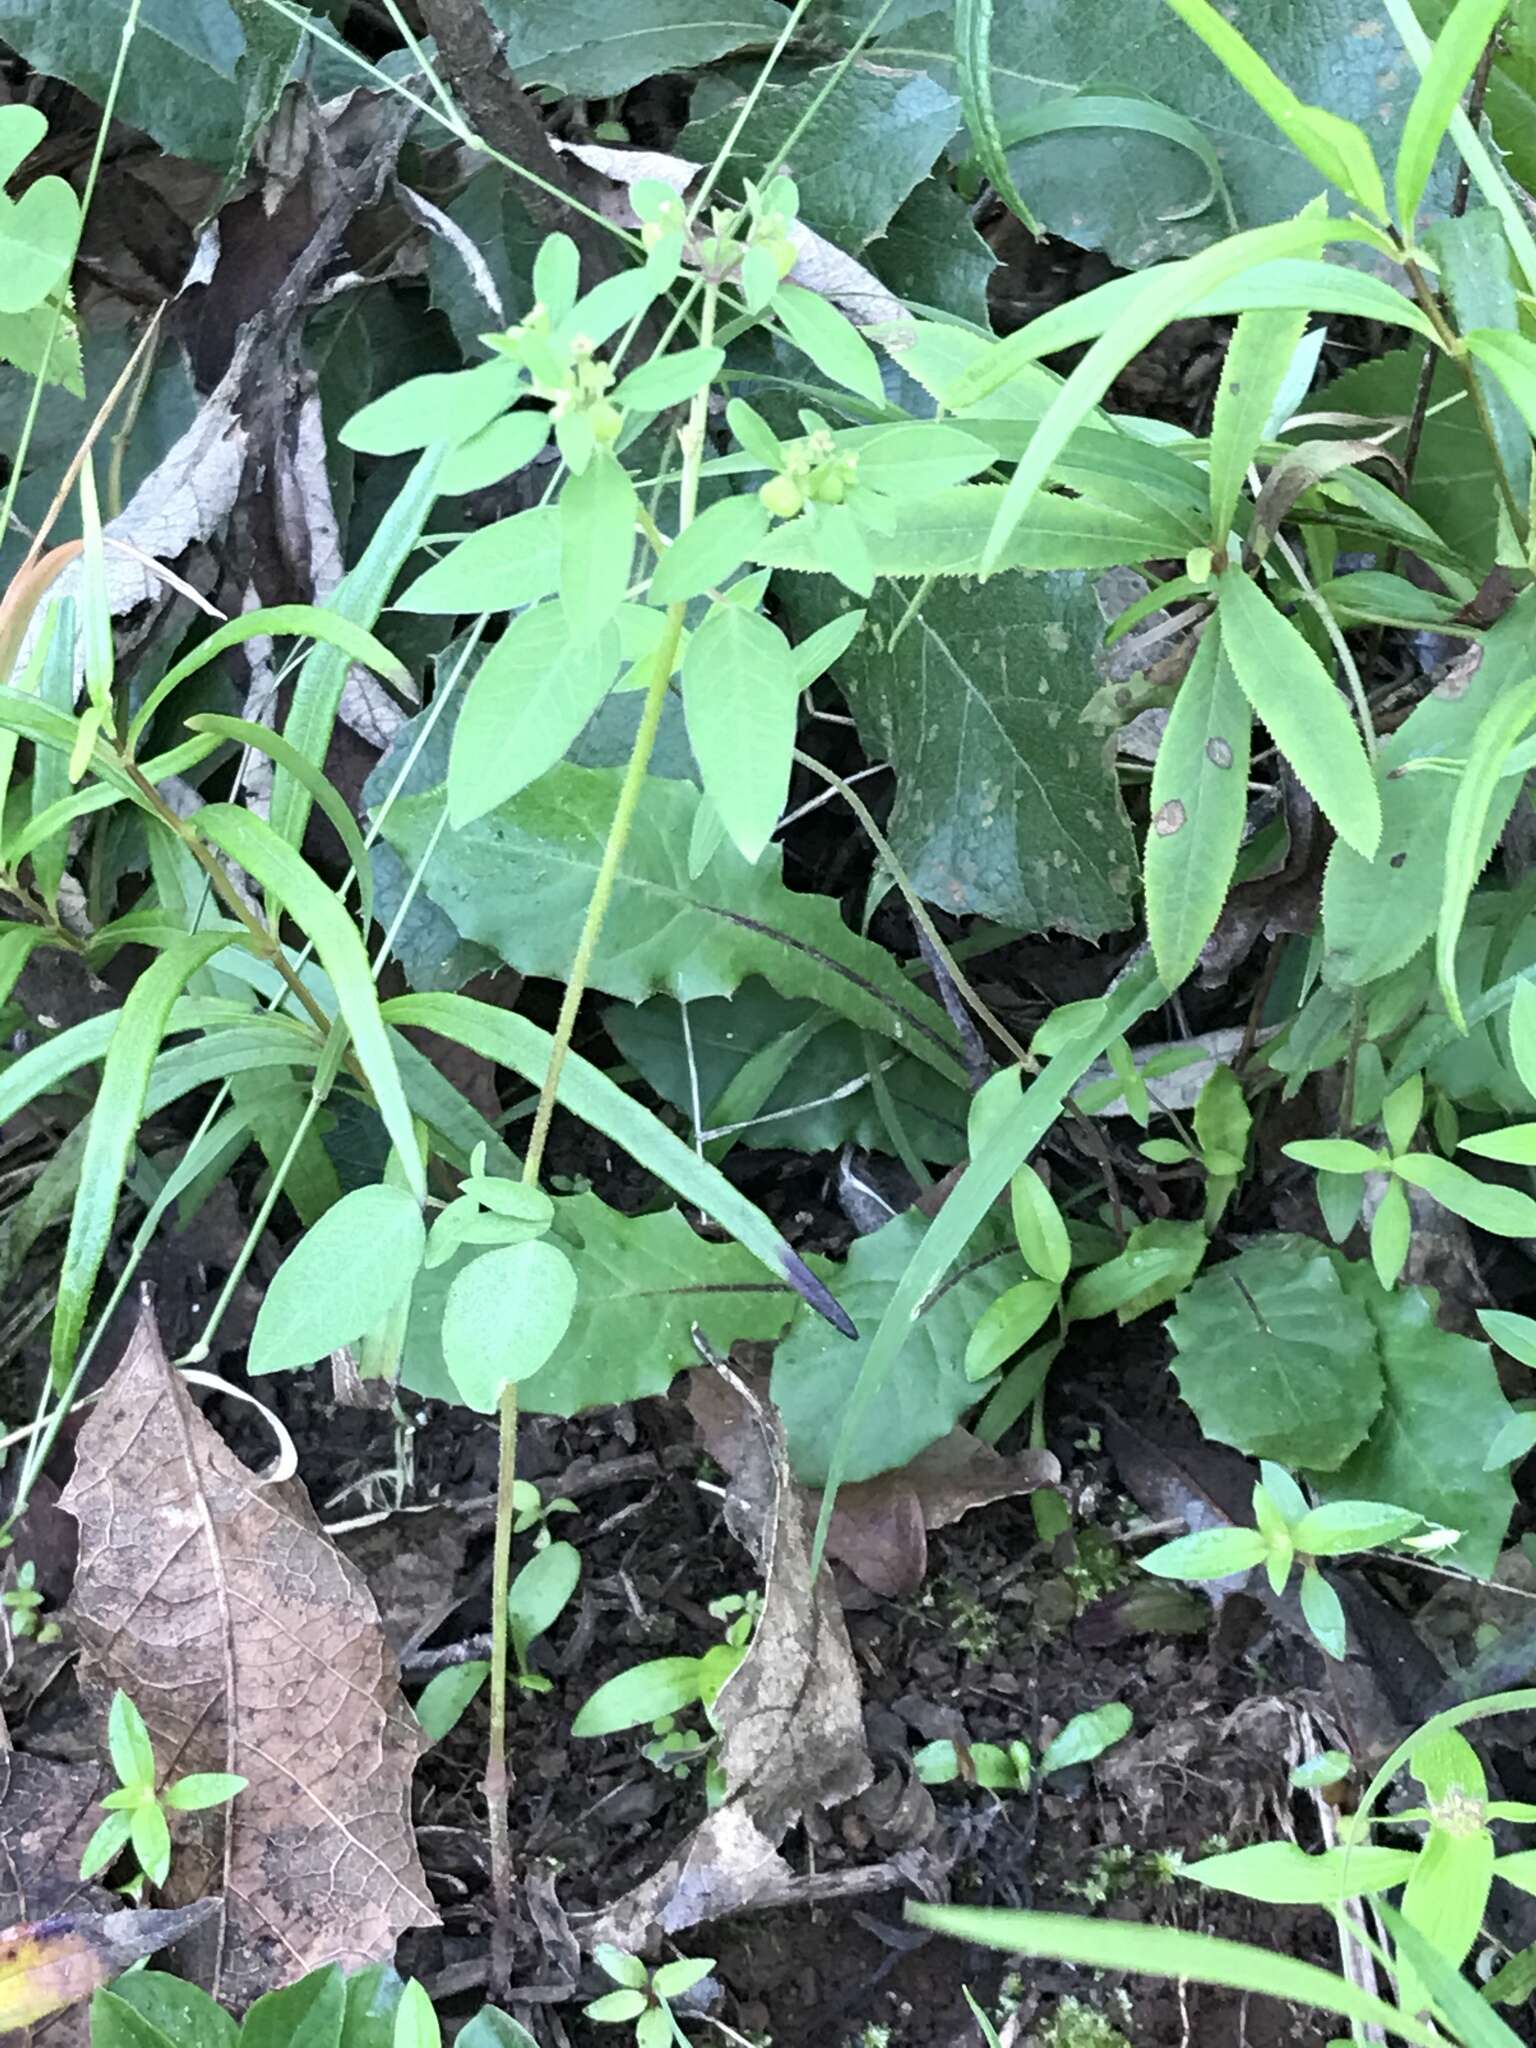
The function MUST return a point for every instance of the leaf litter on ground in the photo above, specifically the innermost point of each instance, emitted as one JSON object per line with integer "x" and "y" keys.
{"x": 217, "y": 1603}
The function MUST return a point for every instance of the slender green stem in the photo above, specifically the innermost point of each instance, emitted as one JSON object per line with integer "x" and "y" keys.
{"x": 663, "y": 661}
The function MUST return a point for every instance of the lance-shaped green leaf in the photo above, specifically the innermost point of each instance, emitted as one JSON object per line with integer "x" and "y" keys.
{"x": 510, "y": 563}
{"x": 360, "y": 597}
{"x": 1505, "y": 722}
{"x": 1295, "y": 696}
{"x": 709, "y": 551}
{"x": 294, "y": 621}
{"x": 528, "y": 701}
{"x": 588, "y": 1093}
{"x": 1199, "y": 804}
{"x": 1258, "y": 356}
{"x": 139, "y": 1028}
{"x": 1457, "y": 48}
{"x": 597, "y": 544}
{"x": 293, "y": 884}
{"x": 741, "y": 696}
{"x": 325, "y": 793}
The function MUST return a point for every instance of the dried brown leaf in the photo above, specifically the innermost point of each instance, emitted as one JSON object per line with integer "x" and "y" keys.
{"x": 790, "y": 1719}
{"x": 880, "y": 1526}
{"x": 249, "y": 1644}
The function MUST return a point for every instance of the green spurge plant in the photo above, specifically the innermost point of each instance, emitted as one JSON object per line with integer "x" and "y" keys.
{"x": 694, "y": 510}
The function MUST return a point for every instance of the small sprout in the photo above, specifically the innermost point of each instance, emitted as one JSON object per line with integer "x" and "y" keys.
{"x": 135, "y": 1812}
{"x": 644, "y": 1996}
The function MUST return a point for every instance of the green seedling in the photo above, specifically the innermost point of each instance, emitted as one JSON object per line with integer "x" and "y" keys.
{"x": 1343, "y": 1163}
{"x": 1007, "y": 1767}
{"x": 1290, "y": 1532}
{"x": 23, "y": 1605}
{"x": 653, "y": 1694}
{"x": 643, "y": 1999}
{"x": 538, "y": 1596}
{"x": 1219, "y": 1145}
{"x": 136, "y": 1811}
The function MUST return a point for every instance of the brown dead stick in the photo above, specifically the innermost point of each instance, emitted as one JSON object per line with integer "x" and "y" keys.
{"x": 474, "y": 66}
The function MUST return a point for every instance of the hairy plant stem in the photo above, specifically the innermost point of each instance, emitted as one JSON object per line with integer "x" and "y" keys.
{"x": 663, "y": 661}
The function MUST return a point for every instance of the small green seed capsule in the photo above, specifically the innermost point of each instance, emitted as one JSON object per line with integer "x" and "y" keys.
{"x": 782, "y": 496}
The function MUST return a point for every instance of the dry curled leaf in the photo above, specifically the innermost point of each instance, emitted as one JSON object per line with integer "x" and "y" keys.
{"x": 249, "y": 1644}
{"x": 790, "y": 1719}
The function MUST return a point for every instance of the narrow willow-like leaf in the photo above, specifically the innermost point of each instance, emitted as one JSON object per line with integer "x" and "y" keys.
{"x": 831, "y": 341}
{"x": 1257, "y": 358}
{"x": 1302, "y": 283}
{"x": 138, "y": 1030}
{"x": 293, "y": 621}
{"x": 292, "y": 883}
{"x": 1458, "y": 47}
{"x": 597, "y": 544}
{"x": 248, "y": 734}
{"x": 1295, "y": 696}
{"x": 1169, "y": 1952}
{"x": 1512, "y": 359}
{"x": 1001, "y": 1154}
{"x": 588, "y": 1093}
{"x": 46, "y": 727}
{"x": 1199, "y": 803}
{"x": 47, "y": 1066}
{"x": 359, "y": 597}
{"x": 1166, "y": 294}
{"x": 1332, "y": 145}
{"x": 741, "y": 696}
{"x": 973, "y": 70}
{"x": 1505, "y": 722}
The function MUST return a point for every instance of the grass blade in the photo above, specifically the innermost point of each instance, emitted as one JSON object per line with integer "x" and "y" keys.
{"x": 134, "y": 1045}
{"x": 1169, "y": 1952}
{"x": 1506, "y": 720}
{"x": 973, "y": 69}
{"x": 290, "y": 882}
{"x": 359, "y": 597}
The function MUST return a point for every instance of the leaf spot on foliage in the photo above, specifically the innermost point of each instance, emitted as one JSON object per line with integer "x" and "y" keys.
{"x": 1218, "y": 752}
{"x": 1170, "y": 818}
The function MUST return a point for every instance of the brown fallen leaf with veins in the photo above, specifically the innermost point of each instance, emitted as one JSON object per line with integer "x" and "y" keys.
{"x": 880, "y": 1526}
{"x": 249, "y": 1644}
{"x": 790, "y": 1720}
